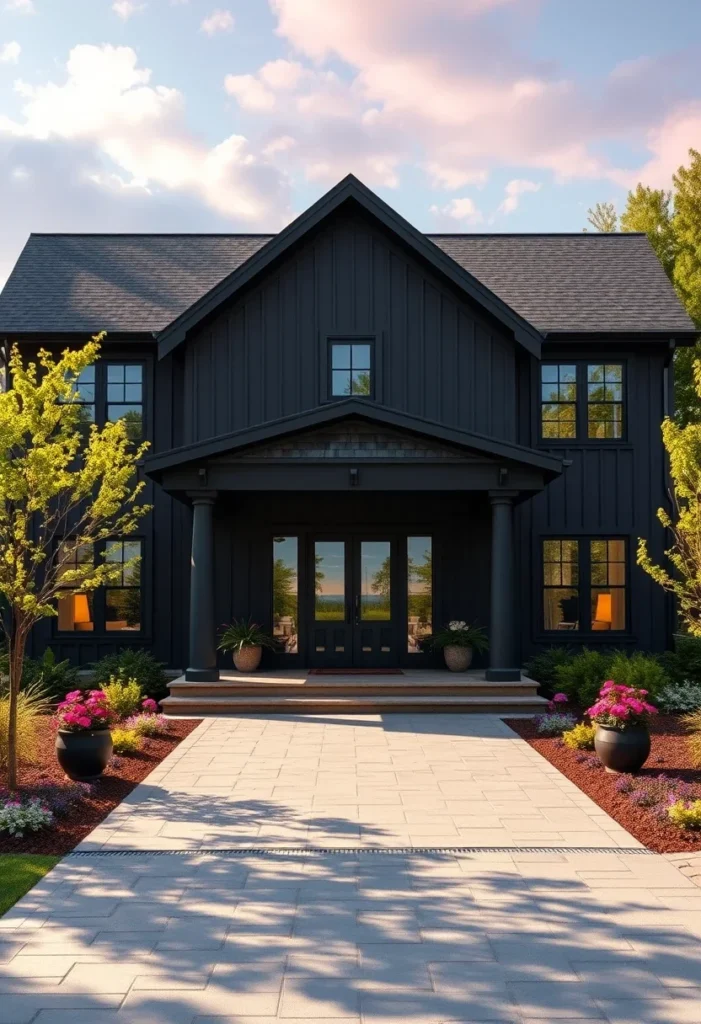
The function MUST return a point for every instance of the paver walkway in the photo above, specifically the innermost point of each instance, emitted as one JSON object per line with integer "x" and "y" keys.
{"x": 207, "y": 918}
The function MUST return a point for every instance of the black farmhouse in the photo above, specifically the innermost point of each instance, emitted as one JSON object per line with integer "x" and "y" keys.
{"x": 359, "y": 432}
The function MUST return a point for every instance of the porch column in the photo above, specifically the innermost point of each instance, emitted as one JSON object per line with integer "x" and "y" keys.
{"x": 503, "y": 661}
{"x": 203, "y": 655}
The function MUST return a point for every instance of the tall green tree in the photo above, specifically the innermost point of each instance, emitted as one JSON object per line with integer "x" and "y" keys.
{"x": 64, "y": 486}
{"x": 649, "y": 210}
{"x": 603, "y": 217}
{"x": 687, "y": 232}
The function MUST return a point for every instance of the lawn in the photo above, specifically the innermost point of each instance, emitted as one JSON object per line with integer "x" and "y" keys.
{"x": 18, "y": 873}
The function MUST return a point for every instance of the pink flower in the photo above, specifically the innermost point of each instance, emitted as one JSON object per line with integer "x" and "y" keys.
{"x": 636, "y": 705}
{"x": 74, "y": 695}
{"x": 619, "y": 710}
{"x": 84, "y": 722}
{"x": 148, "y": 704}
{"x": 560, "y": 698}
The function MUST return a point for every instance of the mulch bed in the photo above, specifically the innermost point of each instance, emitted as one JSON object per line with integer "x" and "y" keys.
{"x": 669, "y": 756}
{"x": 110, "y": 789}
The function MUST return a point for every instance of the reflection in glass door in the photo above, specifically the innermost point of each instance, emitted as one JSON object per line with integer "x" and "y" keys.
{"x": 374, "y": 639}
{"x": 332, "y": 627}
{"x": 375, "y": 581}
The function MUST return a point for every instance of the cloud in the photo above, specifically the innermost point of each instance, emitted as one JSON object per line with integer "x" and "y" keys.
{"x": 669, "y": 144}
{"x": 514, "y": 190}
{"x": 9, "y": 52}
{"x": 250, "y": 92}
{"x": 20, "y": 6}
{"x": 459, "y": 209}
{"x": 125, "y": 9}
{"x": 136, "y": 131}
{"x": 218, "y": 21}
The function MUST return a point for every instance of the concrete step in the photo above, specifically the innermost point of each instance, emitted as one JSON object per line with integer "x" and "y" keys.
{"x": 352, "y": 705}
{"x": 348, "y": 687}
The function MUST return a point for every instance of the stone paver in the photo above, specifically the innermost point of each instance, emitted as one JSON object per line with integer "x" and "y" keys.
{"x": 540, "y": 928}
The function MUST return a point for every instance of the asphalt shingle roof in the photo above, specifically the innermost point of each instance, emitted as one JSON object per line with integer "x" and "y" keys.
{"x": 140, "y": 283}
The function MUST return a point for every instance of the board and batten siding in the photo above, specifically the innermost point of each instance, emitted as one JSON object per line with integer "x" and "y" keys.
{"x": 437, "y": 355}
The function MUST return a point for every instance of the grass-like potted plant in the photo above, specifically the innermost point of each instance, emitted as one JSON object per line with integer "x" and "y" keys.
{"x": 246, "y": 640}
{"x": 458, "y": 640}
{"x": 83, "y": 739}
{"x": 622, "y": 739}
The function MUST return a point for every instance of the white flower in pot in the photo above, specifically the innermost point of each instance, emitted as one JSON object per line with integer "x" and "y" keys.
{"x": 458, "y": 640}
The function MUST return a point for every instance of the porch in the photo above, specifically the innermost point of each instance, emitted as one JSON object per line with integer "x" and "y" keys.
{"x": 303, "y": 691}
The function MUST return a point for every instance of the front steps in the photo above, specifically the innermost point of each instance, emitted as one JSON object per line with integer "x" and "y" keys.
{"x": 296, "y": 693}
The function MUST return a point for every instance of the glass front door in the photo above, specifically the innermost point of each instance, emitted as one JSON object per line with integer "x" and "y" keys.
{"x": 354, "y": 609}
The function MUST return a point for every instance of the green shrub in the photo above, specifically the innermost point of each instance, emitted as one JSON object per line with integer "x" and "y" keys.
{"x": 685, "y": 816}
{"x": 123, "y": 696}
{"x": 133, "y": 663}
{"x": 542, "y": 667}
{"x": 680, "y": 697}
{"x": 55, "y": 678}
{"x": 31, "y": 704}
{"x": 683, "y": 664}
{"x": 582, "y": 677}
{"x": 125, "y": 741}
{"x": 642, "y": 671}
{"x": 580, "y": 738}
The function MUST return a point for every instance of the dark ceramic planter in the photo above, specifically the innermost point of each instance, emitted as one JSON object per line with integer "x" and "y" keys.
{"x": 622, "y": 750}
{"x": 84, "y": 755}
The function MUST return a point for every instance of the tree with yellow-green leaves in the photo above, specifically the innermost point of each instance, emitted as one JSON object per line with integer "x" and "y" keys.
{"x": 683, "y": 445}
{"x": 64, "y": 486}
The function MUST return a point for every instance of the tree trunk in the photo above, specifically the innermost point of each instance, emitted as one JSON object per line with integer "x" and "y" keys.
{"x": 16, "y": 658}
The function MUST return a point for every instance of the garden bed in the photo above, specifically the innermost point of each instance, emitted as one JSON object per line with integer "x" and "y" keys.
{"x": 122, "y": 775}
{"x": 669, "y": 758}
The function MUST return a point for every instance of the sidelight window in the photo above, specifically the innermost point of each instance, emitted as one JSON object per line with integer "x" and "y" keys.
{"x": 286, "y": 593}
{"x": 419, "y": 591}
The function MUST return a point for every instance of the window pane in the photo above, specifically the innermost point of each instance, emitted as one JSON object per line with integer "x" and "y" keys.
{"x": 123, "y": 609}
{"x": 75, "y": 613}
{"x": 330, "y": 581}
{"x": 375, "y": 574}
{"x": 558, "y": 401}
{"x": 549, "y": 373}
{"x": 605, "y": 401}
{"x": 285, "y": 593}
{"x": 115, "y": 374}
{"x": 133, "y": 374}
{"x": 361, "y": 382}
{"x": 341, "y": 357}
{"x": 419, "y": 591}
{"x": 608, "y": 577}
{"x": 115, "y": 392}
{"x": 132, "y": 416}
{"x": 132, "y": 393}
{"x": 361, "y": 357}
{"x": 560, "y": 580}
{"x": 340, "y": 382}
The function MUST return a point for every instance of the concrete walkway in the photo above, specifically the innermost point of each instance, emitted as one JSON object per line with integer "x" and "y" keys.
{"x": 208, "y": 917}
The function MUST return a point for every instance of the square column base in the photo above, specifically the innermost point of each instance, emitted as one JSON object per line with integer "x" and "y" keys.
{"x": 503, "y": 675}
{"x": 202, "y": 675}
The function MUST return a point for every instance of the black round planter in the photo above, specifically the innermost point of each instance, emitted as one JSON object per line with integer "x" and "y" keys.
{"x": 622, "y": 750}
{"x": 84, "y": 755}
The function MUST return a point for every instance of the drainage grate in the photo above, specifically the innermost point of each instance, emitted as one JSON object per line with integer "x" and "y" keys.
{"x": 362, "y": 851}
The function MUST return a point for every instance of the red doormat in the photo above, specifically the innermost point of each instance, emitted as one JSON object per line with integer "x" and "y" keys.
{"x": 355, "y": 672}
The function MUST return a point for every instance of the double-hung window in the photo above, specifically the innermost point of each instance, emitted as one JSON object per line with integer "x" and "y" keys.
{"x": 110, "y": 391}
{"x": 116, "y": 607}
{"x": 581, "y": 401}
{"x": 584, "y": 584}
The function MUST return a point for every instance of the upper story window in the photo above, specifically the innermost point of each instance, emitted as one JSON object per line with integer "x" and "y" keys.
{"x": 108, "y": 391}
{"x": 351, "y": 368}
{"x": 563, "y": 413}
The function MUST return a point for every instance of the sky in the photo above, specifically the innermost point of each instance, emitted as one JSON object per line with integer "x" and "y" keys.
{"x": 464, "y": 115}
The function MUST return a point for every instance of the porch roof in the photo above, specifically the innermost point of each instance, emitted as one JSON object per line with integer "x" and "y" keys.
{"x": 239, "y": 441}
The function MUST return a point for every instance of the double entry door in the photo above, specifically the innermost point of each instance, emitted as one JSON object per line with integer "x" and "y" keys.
{"x": 354, "y": 609}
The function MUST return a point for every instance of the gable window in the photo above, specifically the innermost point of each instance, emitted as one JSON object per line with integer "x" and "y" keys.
{"x": 351, "y": 368}
{"x": 565, "y": 412}
{"x": 584, "y": 584}
{"x": 113, "y": 608}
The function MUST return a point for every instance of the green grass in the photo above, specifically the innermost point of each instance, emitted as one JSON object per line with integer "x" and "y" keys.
{"x": 18, "y": 873}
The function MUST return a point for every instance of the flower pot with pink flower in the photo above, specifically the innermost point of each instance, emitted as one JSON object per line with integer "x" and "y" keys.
{"x": 621, "y": 714}
{"x": 83, "y": 739}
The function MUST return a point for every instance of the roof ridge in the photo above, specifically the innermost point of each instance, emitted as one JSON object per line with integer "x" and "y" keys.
{"x": 152, "y": 234}
{"x": 535, "y": 234}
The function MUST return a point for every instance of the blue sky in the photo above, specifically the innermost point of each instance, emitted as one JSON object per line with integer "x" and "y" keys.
{"x": 465, "y": 115}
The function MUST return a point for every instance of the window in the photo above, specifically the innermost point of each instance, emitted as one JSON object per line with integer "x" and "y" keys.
{"x": 564, "y": 416}
{"x": 123, "y": 598}
{"x": 114, "y": 608}
{"x": 419, "y": 591}
{"x": 85, "y": 394}
{"x": 285, "y": 593}
{"x": 351, "y": 368}
{"x": 125, "y": 397}
{"x": 558, "y": 400}
{"x": 604, "y": 400}
{"x": 584, "y": 585}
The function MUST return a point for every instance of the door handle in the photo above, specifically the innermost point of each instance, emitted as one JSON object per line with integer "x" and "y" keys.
{"x": 357, "y": 609}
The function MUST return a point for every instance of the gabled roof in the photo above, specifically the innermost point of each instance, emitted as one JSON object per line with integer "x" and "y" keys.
{"x": 349, "y": 190}
{"x": 240, "y": 440}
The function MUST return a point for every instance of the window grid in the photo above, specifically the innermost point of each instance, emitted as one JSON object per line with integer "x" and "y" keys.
{"x": 604, "y": 400}
{"x": 351, "y": 368}
{"x": 115, "y": 607}
{"x": 584, "y": 584}
{"x": 558, "y": 400}
{"x": 85, "y": 387}
{"x": 125, "y": 397}
{"x": 76, "y": 611}
{"x": 123, "y": 599}
{"x": 561, "y": 584}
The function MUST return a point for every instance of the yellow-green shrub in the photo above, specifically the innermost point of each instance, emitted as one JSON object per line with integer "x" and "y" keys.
{"x": 125, "y": 741}
{"x": 32, "y": 703}
{"x": 685, "y": 817}
{"x": 581, "y": 737}
{"x": 123, "y": 696}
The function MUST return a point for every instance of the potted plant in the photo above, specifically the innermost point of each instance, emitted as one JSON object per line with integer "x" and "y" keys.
{"x": 83, "y": 739}
{"x": 458, "y": 641}
{"x": 246, "y": 640}
{"x": 622, "y": 739}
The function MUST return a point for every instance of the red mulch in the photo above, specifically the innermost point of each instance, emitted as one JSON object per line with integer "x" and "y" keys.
{"x": 110, "y": 789}
{"x": 669, "y": 755}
